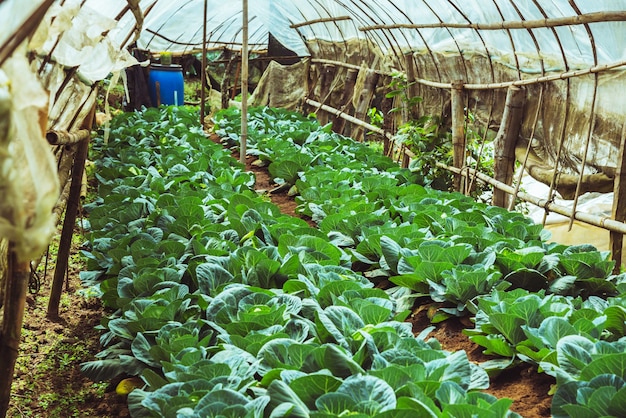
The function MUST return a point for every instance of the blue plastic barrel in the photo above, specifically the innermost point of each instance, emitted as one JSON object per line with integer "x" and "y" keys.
{"x": 166, "y": 85}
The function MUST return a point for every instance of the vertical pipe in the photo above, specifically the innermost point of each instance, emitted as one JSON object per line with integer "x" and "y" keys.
{"x": 458, "y": 131}
{"x": 203, "y": 73}
{"x": 244, "y": 84}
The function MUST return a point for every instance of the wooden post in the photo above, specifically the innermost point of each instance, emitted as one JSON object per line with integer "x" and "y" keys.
{"x": 244, "y": 85}
{"x": 65, "y": 242}
{"x": 226, "y": 81}
{"x": 388, "y": 123}
{"x": 616, "y": 239}
{"x": 458, "y": 131}
{"x": 505, "y": 141}
{"x": 339, "y": 123}
{"x": 363, "y": 104}
{"x": 411, "y": 76}
{"x": 326, "y": 81}
{"x": 16, "y": 288}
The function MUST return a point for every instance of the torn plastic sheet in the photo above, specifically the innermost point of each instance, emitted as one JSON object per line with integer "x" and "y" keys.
{"x": 29, "y": 185}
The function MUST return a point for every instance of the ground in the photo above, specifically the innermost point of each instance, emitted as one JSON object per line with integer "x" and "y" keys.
{"x": 48, "y": 382}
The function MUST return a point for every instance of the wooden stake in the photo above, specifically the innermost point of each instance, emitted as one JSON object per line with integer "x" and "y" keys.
{"x": 505, "y": 142}
{"x": 328, "y": 75}
{"x": 411, "y": 76}
{"x": 65, "y": 243}
{"x": 226, "y": 81}
{"x": 458, "y": 131}
{"x": 339, "y": 123}
{"x": 363, "y": 104}
{"x": 616, "y": 239}
{"x": 16, "y": 288}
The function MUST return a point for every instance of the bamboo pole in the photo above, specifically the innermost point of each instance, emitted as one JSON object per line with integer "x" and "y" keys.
{"x": 225, "y": 83}
{"x": 346, "y": 98}
{"x": 66, "y": 138}
{"x": 363, "y": 104}
{"x": 65, "y": 242}
{"x": 326, "y": 80}
{"x": 349, "y": 118}
{"x": 595, "y": 220}
{"x": 411, "y": 76}
{"x": 616, "y": 239}
{"x": 73, "y": 200}
{"x": 505, "y": 141}
{"x": 24, "y": 31}
{"x": 16, "y": 288}
{"x": 501, "y": 85}
{"x": 458, "y": 131}
{"x": 203, "y": 72}
{"x": 321, "y": 20}
{"x": 580, "y": 19}
{"x": 244, "y": 84}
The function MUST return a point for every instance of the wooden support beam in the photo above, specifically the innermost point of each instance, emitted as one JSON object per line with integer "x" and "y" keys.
{"x": 411, "y": 77}
{"x": 65, "y": 243}
{"x": 505, "y": 141}
{"x": 581, "y": 19}
{"x": 16, "y": 288}
{"x": 339, "y": 123}
{"x": 588, "y": 218}
{"x": 320, "y": 20}
{"x": 66, "y": 138}
{"x": 458, "y": 131}
{"x": 326, "y": 81}
{"x": 388, "y": 123}
{"x": 616, "y": 239}
{"x": 363, "y": 104}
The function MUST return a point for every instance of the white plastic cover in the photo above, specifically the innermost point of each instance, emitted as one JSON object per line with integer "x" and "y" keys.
{"x": 177, "y": 26}
{"x": 28, "y": 175}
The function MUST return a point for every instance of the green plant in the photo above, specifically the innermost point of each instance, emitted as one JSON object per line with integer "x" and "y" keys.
{"x": 399, "y": 88}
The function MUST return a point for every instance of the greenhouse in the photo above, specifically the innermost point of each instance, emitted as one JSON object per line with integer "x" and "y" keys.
{"x": 312, "y": 208}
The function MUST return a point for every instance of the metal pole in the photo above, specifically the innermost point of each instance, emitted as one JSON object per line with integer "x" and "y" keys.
{"x": 244, "y": 84}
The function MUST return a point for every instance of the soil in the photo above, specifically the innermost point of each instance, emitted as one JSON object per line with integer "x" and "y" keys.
{"x": 48, "y": 382}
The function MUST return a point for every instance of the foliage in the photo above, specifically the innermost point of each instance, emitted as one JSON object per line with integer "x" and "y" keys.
{"x": 220, "y": 300}
{"x": 223, "y": 305}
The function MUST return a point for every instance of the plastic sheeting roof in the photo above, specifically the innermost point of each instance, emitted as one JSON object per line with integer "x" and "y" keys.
{"x": 177, "y": 26}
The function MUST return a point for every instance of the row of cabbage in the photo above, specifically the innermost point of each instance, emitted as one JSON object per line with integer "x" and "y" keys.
{"x": 557, "y": 306}
{"x": 225, "y": 307}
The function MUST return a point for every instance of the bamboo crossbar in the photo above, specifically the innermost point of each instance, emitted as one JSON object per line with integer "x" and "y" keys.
{"x": 582, "y": 19}
{"x": 24, "y": 31}
{"x": 502, "y": 85}
{"x": 66, "y": 138}
{"x": 349, "y": 118}
{"x": 321, "y": 20}
{"x": 595, "y": 220}
{"x": 345, "y": 65}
